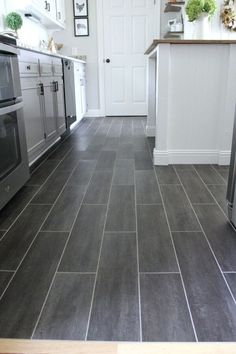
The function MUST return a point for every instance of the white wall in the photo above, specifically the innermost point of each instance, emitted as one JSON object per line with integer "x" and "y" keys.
{"x": 218, "y": 30}
{"x": 85, "y": 46}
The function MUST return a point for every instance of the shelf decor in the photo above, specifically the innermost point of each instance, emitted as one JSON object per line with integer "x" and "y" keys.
{"x": 228, "y": 15}
{"x": 14, "y": 22}
{"x": 81, "y": 20}
{"x": 200, "y": 12}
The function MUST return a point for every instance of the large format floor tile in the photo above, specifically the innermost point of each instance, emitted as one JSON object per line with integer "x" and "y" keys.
{"x": 124, "y": 172}
{"x": 121, "y": 210}
{"x": 166, "y": 175}
{"x": 11, "y": 211}
{"x": 43, "y": 172}
{"x": 219, "y": 233}
{"x": 156, "y": 252}
{"x": 194, "y": 187}
{"x": 82, "y": 251}
{"x": 99, "y": 188}
{"x": 219, "y": 192}
{"x": 83, "y": 173}
{"x": 5, "y": 277}
{"x": 209, "y": 175}
{"x": 52, "y": 188}
{"x": 67, "y": 307}
{"x": 180, "y": 214}
{"x": 90, "y": 217}
{"x": 23, "y": 300}
{"x": 211, "y": 304}
{"x": 64, "y": 212}
{"x": 17, "y": 240}
{"x": 115, "y": 311}
{"x": 147, "y": 191}
{"x": 165, "y": 315}
{"x": 106, "y": 160}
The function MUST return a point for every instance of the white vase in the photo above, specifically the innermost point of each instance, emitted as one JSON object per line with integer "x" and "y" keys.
{"x": 202, "y": 27}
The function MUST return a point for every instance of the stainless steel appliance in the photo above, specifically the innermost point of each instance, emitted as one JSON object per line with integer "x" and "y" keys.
{"x": 14, "y": 167}
{"x": 231, "y": 195}
{"x": 69, "y": 81}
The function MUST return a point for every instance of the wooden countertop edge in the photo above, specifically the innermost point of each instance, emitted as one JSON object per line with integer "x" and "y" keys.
{"x": 187, "y": 41}
{"x": 67, "y": 347}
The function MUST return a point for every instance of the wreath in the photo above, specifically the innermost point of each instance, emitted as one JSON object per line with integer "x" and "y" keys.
{"x": 228, "y": 15}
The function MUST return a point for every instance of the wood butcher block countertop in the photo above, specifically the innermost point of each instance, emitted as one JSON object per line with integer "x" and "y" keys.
{"x": 187, "y": 41}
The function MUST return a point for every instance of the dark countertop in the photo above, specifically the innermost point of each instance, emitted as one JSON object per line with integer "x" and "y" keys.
{"x": 187, "y": 41}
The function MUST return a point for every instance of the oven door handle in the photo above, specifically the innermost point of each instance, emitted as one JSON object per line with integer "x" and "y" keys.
{"x": 12, "y": 108}
{"x": 8, "y": 49}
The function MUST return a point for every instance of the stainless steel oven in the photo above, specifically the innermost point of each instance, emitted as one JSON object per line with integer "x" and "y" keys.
{"x": 14, "y": 167}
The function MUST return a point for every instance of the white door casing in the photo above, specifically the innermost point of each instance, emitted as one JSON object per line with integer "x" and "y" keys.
{"x": 129, "y": 27}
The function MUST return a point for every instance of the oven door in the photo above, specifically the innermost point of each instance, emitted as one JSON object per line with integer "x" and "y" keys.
{"x": 9, "y": 74}
{"x": 14, "y": 170}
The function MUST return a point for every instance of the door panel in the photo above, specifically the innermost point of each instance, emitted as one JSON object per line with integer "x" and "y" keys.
{"x": 34, "y": 123}
{"x": 61, "y": 120}
{"x": 50, "y": 119}
{"x": 129, "y": 28}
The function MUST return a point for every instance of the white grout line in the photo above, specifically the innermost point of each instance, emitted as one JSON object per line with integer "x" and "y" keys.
{"x": 79, "y": 273}
{"x": 158, "y": 273}
{"x": 210, "y": 192}
{"x": 99, "y": 258}
{"x": 188, "y": 232}
{"x": 177, "y": 260}
{"x": 138, "y": 268}
{"x": 229, "y": 272}
{"x": 6, "y": 271}
{"x": 219, "y": 174}
{"x": 67, "y": 241}
{"x": 206, "y": 238}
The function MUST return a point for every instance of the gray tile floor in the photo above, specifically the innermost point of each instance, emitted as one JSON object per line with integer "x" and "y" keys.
{"x": 99, "y": 245}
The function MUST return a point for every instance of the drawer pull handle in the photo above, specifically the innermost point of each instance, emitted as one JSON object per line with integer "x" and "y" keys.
{"x": 28, "y": 67}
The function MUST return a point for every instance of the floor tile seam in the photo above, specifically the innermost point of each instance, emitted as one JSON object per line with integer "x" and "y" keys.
{"x": 209, "y": 244}
{"x": 99, "y": 259}
{"x": 29, "y": 203}
{"x": 218, "y": 173}
{"x": 138, "y": 262}
{"x": 206, "y": 186}
{"x": 60, "y": 259}
{"x": 178, "y": 264}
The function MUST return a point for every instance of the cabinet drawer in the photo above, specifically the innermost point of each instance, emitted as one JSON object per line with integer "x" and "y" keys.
{"x": 28, "y": 69}
{"x": 46, "y": 69}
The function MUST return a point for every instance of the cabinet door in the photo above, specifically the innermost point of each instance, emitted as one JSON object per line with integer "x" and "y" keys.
{"x": 61, "y": 119}
{"x": 50, "y": 118}
{"x": 61, "y": 11}
{"x": 33, "y": 115}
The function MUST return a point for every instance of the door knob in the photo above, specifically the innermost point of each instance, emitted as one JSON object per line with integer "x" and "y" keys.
{"x": 108, "y": 61}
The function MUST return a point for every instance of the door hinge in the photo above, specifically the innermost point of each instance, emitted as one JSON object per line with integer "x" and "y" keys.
{"x": 45, "y": 136}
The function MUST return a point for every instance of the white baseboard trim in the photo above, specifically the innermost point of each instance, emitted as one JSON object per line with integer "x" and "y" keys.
{"x": 93, "y": 113}
{"x": 224, "y": 157}
{"x": 167, "y": 157}
{"x": 150, "y": 131}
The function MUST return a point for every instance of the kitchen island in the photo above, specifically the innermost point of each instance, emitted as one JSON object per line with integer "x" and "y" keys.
{"x": 191, "y": 103}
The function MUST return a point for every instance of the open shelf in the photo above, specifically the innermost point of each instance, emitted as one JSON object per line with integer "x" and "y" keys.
{"x": 174, "y": 6}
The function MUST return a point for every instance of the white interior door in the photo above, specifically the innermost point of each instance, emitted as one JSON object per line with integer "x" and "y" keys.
{"x": 129, "y": 28}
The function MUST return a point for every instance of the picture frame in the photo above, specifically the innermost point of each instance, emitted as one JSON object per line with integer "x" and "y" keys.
{"x": 81, "y": 25}
{"x": 80, "y": 8}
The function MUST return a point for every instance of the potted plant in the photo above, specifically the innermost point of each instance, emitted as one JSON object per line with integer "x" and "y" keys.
{"x": 200, "y": 12}
{"x": 14, "y": 22}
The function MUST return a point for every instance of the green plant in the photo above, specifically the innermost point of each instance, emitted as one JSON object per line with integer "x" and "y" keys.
{"x": 195, "y": 8}
{"x": 14, "y": 21}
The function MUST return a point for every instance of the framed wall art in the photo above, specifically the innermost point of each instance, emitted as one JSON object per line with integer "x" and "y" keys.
{"x": 81, "y": 27}
{"x": 80, "y": 8}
